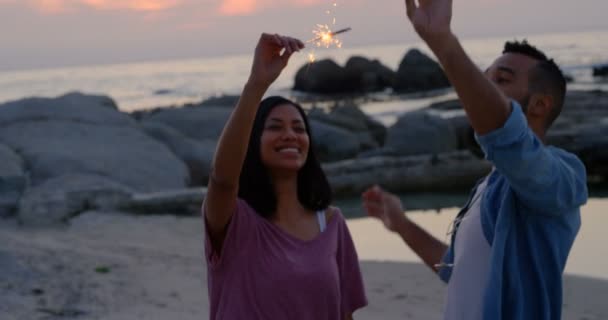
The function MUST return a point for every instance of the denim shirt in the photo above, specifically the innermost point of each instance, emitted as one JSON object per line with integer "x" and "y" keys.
{"x": 530, "y": 215}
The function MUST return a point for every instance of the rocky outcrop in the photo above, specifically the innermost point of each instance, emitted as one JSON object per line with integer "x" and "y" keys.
{"x": 335, "y": 132}
{"x": 332, "y": 143}
{"x": 58, "y": 199}
{"x": 324, "y": 77}
{"x": 364, "y": 75}
{"x": 417, "y": 72}
{"x": 600, "y": 71}
{"x": 12, "y": 180}
{"x": 360, "y": 75}
{"x": 443, "y": 172}
{"x": 194, "y": 122}
{"x": 197, "y": 155}
{"x": 420, "y": 132}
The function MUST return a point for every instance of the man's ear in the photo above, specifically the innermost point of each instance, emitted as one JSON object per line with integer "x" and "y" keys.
{"x": 540, "y": 105}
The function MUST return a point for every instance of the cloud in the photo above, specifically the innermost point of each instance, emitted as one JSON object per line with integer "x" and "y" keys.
{"x": 137, "y": 5}
{"x": 62, "y": 6}
{"x": 246, "y": 7}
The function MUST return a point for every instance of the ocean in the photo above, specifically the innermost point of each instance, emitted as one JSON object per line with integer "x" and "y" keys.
{"x": 136, "y": 86}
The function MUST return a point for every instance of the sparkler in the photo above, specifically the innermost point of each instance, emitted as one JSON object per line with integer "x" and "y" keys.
{"x": 325, "y": 37}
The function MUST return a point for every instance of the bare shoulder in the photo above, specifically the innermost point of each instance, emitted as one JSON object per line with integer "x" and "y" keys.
{"x": 332, "y": 211}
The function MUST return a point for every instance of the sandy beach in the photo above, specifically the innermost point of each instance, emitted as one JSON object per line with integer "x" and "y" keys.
{"x": 109, "y": 265}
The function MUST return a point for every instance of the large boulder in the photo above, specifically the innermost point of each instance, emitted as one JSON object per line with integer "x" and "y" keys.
{"x": 69, "y": 107}
{"x": 199, "y": 123}
{"x": 57, "y": 200}
{"x": 600, "y": 71}
{"x": 364, "y": 75}
{"x": 197, "y": 155}
{"x": 333, "y": 143}
{"x": 370, "y": 133}
{"x": 56, "y": 139}
{"x": 420, "y": 132}
{"x": 12, "y": 180}
{"x": 324, "y": 76}
{"x": 358, "y": 118}
{"x": 417, "y": 72}
{"x": 220, "y": 101}
{"x": 454, "y": 113}
{"x": 589, "y": 141}
{"x": 443, "y": 172}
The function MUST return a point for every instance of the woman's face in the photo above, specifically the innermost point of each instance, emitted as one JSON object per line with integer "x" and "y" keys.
{"x": 284, "y": 142}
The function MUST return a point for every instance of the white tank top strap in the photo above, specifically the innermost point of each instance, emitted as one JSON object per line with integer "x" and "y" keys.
{"x": 322, "y": 220}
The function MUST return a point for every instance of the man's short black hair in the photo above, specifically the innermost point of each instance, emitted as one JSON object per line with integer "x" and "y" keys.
{"x": 546, "y": 77}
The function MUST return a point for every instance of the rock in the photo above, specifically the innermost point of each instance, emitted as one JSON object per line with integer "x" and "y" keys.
{"x": 364, "y": 75}
{"x": 197, "y": 155}
{"x": 121, "y": 153}
{"x": 447, "y": 105}
{"x": 588, "y": 141}
{"x": 76, "y": 133}
{"x": 371, "y": 134}
{"x": 11, "y": 189}
{"x": 221, "y": 101}
{"x": 583, "y": 105}
{"x": 420, "y": 132}
{"x": 465, "y": 134}
{"x": 70, "y": 107}
{"x": 11, "y": 163}
{"x": 324, "y": 76}
{"x": 355, "y": 115}
{"x": 417, "y": 72}
{"x": 12, "y": 180}
{"x": 57, "y": 200}
{"x": 332, "y": 143}
{"x": 187, "y": 201}
{"x": 197, "y": 123}
{"x": 443, "y": 172}
{"x": 600, "y": 71}
{"x": 161, "y": 92}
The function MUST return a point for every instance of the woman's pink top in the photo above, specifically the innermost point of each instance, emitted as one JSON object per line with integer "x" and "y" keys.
{"x": 265, "y": 273}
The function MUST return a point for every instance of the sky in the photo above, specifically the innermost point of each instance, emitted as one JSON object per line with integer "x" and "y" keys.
{"x": 55, "y": 33}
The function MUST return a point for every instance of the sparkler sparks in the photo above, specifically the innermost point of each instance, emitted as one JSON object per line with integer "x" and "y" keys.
{"x": 325, "y": 37}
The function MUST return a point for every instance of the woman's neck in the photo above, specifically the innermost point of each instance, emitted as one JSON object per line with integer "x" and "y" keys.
{"x": 288, "y": 204}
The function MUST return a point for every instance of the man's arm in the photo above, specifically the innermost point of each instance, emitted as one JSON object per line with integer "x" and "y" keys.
{"x": 486, "y": 107}
{"x": 387, "y": 208}
{"x": 540, "y": 178}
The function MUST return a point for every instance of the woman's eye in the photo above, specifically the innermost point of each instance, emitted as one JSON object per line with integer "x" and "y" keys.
{"x": 299, "y": 129}
{"x": 273, "y": 127}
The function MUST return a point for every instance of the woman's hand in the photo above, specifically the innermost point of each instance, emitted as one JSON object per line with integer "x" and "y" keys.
{"x": 271, "y": 56}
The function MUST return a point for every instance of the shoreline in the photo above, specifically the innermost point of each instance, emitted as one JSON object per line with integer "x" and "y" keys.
{"x": 373, "y": 242}
{"x": 106, "y": 265}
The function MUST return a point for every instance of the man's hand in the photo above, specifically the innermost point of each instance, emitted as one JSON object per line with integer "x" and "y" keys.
{"x": 271, "y": 56}
{"x": 431, "y": 18}
{"x": 384, "y": 206}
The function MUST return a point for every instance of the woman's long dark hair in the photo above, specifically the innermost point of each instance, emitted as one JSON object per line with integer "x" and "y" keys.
{"x": 255, "y": 184}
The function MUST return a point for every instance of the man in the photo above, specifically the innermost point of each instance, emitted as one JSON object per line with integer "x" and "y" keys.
{"x": 510, "y": 243}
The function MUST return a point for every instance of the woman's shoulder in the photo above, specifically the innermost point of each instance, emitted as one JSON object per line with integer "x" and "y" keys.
{"x": 334, "y": 213}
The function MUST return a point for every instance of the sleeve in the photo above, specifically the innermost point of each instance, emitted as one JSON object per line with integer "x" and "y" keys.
{"x": 351, "y": 281}
{"x": 545, "y": 179}
{"x": 445, "y": 267}
{"x": 239, "y": 231}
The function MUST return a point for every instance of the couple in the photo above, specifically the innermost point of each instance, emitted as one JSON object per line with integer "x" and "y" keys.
{"x": 276, "y": 249}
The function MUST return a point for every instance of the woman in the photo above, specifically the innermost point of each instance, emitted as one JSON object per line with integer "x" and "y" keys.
{"x": 274, "y": 247}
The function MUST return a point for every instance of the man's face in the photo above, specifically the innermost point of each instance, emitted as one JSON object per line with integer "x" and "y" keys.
{"x": 510, "y": 72}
